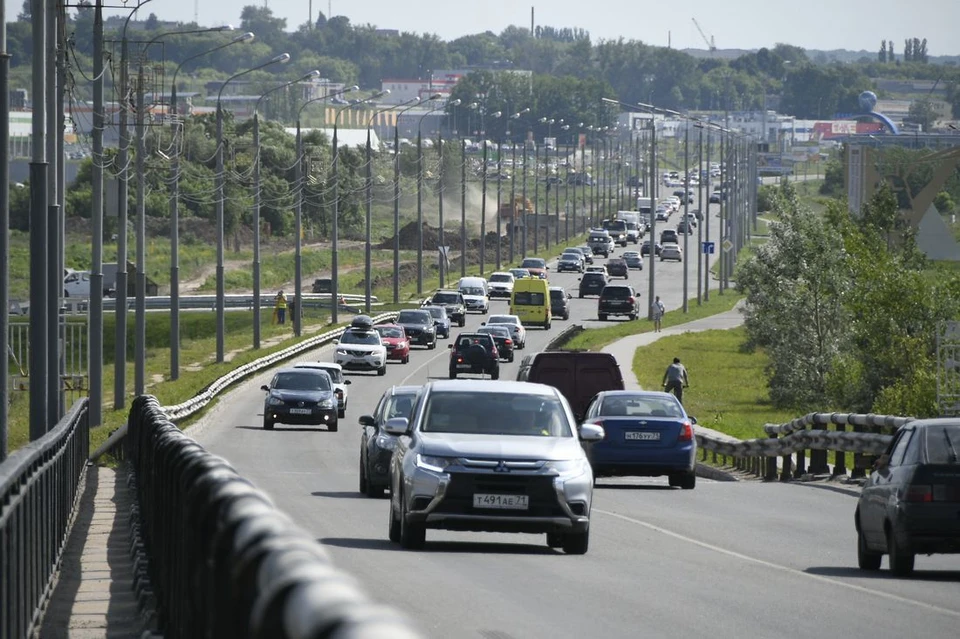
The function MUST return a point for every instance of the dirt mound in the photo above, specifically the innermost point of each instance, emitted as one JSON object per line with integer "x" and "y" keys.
{"x": 409, "y": 238}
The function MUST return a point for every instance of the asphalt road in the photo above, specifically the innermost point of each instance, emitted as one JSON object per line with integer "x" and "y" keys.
{"x": 725, "y": 560}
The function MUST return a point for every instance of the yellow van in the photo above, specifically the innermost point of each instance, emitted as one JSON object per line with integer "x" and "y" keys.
{"x": 530, "y": 301}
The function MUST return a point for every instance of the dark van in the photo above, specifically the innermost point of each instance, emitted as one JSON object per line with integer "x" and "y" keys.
{"x": 578, "y": 375}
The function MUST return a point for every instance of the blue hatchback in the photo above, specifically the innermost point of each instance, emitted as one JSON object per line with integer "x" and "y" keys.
{"x": 646, "y": 434}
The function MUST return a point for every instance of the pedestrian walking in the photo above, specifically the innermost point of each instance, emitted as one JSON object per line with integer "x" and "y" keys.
{"x": 675, "y": 379}
{"x": 280, "y": 308}
{"x": 657, "y": 310}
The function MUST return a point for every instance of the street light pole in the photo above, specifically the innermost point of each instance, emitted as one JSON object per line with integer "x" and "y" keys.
{"x": 483, "y": 200}
{"x": 463, "y": 195}
{"x": 219, "y": 185}
{"x": 499, "y": 196}
{"x": 523, "y": 204}
{"x": 420, "y": 198}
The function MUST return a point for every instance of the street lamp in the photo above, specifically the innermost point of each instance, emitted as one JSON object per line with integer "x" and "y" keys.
{"x": 420, "y": 194}
{"x": 175, "y": 209}
{"x": 463, "y": 194}
{"x": 483, "y": 200}
{"x": 441, "y": 247}
{"x": 523, "y": 187}
{"x": 220, "y": 179}
{"x": 368, "y": 261}
{"x": 334, "y": 262}
{"x": 396, "y": 201}
{"x": 297, "y": 312}
{"x": 566, "y": 195}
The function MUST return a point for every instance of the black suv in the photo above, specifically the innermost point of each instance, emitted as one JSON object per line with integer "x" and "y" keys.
{"x": 453, "y": 301}
{"x": 559, "y": 304}
{"x": 322, "y": 285}
{"x": 419, "y": 327}
{"x": 474, "y": 353}
{"x": 592, "y": 283}
{"x": 617, "y": 266}
{"x": 618, "y": 299}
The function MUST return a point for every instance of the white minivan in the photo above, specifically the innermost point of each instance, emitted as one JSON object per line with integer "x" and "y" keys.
{"x": 476, "y": 294}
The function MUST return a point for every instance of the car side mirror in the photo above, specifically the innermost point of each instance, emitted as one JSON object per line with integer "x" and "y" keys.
{"x": 450, "y": 346}
{"x": 483, "y": 323}
{"x": 347, "y": 382}
{"x": 265, "y": 388}
{"x": 367, "y": 420}
{"x": 397, "y": 426}
{"x": 336, "y": 341}
{"x": 882, "y": 462}
{"x": 693, "y": 420}
{"x": 591, "y": 433}
{"x": 569, "y": 296}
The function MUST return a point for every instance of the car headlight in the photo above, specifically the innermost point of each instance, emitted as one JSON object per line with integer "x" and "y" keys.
{"x": 327, "y": 403}
{"x": 274, "y": 401}
{"x": 436, "y": 464}
{"x": 401, "y": 344}
{"x": 386, "y": 442}
{"x": 341, "y": 351}
{"x": 570, "y": 468}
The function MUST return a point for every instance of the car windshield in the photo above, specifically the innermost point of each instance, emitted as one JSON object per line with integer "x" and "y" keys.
{"x": 499, "y": 331}
{"x": 446, "y": 298}
{"x": 503, "y": 319}
{"x": 390, "y": 331}
{"x": 414, "y": 317}
{"x": 533, "y": 262}
{"x": 355, "y": 337}
{"x": 517, "y": 272}
{"x": 302, "y": 380}
{"x": 501, "y": 277}
{"x": 616, "y": 292}
{"x": 943, "y": 444}
{"x": 495, "y": 414}
{"x": 572, "y": 255}
{"x": 524, "y": 298}
{"x": 472, "y": 290}
{"x": 640, "y": 406}
{"x": 437, "y": 312}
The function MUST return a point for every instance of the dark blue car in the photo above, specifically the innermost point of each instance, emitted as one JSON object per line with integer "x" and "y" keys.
{"x": 646, "y": 434}
{"x": 300, "y": 396}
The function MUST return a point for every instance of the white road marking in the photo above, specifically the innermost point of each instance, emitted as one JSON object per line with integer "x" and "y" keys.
{"x": 786, "y": 569}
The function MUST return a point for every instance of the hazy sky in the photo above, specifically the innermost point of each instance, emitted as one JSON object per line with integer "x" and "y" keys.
{"x": 743, "y": 24}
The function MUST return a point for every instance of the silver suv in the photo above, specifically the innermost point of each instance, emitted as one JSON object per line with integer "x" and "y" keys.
{"x": 512, "y": 462}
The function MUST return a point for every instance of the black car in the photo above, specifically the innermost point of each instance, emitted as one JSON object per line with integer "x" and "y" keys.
{"x": 910, "y": 503}
{"x": 697, "y": 214}
{"x": 323, "y": 285}
{"x": 453, "y": 302}
{"x": 587, "y": 253}
{"x": 618, "y": 299}
{"x": 684, "y": 228}
{"x": 592, "y": 283}
{"x": 715, "y": 198}
{"x": 645, "y": 248}
{"x": 475, "y": 353}
{"x": 571, "y": 260}
{"x": 669, "y": 236}
{"x": 300, "y": 396}
{"x": 503, "y": 337}
{"x": 419, "y": 327}
{"x": 559, "y": 302}
{"x": 377, "y": 445}
{"x": 616, "y": 266}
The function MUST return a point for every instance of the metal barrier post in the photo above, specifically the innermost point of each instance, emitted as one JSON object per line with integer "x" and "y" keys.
{"x": 840, "y": 463}
{"x": 771, "y": 471}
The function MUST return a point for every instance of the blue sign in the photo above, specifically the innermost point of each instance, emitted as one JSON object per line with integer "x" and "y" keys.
{"x": 708, "y": 247}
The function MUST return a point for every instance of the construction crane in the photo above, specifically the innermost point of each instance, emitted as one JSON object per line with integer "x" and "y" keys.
{"x": 708, "y": 41}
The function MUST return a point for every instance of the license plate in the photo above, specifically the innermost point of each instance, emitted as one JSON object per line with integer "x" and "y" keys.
{"x": 464, "y": 366}
{"x": 644, "y": 435}
{"x": 508, "y": 502}
{"x": 300, "y": 411}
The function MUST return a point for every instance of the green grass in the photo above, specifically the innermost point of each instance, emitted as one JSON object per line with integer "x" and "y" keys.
{"x": 728, "y": 387}
{"x": 594, "y": 339}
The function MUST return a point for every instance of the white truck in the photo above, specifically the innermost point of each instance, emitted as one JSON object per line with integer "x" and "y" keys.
{"x": 634, "y": 229}
{"x": 76, "y": 283}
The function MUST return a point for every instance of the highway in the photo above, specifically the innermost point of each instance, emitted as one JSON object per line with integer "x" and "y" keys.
{"x": 724, "y": 560}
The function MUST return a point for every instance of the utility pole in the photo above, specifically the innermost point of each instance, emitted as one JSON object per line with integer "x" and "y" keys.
{"x": 123, "y": 159}
{"x": 140, "y": 283}
{"x": 4, "y": 224}
{"x": 686, "y": 214}
{"x": 54, "y": 266}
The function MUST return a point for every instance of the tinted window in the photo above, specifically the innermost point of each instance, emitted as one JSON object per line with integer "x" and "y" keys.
{"x": 593, "y": 277}
{"x": 495, "y": 414}
{"x": 400, "y": 405}
{"x": 307, "y": 381}
{"x": 414, "y": 317}
{"x": 437, "y": 312}
{"x": 501, "y": 278}
{"x": 472, "y": 290}
{"x": 528, "y": 299}
{"x": 502, "y": 319}
{"x": 353, "y": 337}
{"x": 390, "y": 331}
{"x": 617, "y": 292}
{"x": 639, "y": 406}
{"x": 943, "y": 444}
{"x": 557, "y": 296}
{"x": 896, "y": 457}
{"x": 447, "y": 298}
{"x": 500, "y": 330}
{"x": 533, "y": 263}
{"x": 570, "y": 255}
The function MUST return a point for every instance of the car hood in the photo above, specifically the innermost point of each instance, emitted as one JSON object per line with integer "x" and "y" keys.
{"x": 288, "y": 395}
{"x": 500, "y": 446}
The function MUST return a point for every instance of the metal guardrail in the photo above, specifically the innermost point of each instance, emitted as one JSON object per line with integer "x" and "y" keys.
{"x": 563, "y": 337}
{"x": 310, "y": 300}
{"x": 869, "y": 436}
{"x": 224, "y": 562}
{"x": 38, "y": 490}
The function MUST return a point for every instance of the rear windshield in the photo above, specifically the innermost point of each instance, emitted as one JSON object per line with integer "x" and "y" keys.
{"x": 557, "y": 295}
{"x": 616, "y": 292}
{"x": 943, "y": 444}
{"x": 437, "y": 311}
{"x": 528, "y": 299}
{"x": 627, "y": 406}
{"x": 592, "y": 275}
{"x": 414, "y": 317}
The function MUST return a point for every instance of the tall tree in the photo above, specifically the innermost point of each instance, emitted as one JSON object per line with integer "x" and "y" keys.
{"x": 908, "y": 50}
{"x": 882, "y": 56}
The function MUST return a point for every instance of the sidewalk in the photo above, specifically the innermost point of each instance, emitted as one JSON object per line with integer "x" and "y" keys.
{"x": 94, "y": 595}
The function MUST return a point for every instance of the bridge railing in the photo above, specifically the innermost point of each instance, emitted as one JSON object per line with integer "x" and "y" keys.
{"x": 223, "y": 561}
{"x": 863, "y": 435}
{"x": 39, "y": 486}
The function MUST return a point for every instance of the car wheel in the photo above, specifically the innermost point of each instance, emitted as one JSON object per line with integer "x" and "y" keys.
{"x": 342, "y": 412}
{"x": 373, "y": 490}
{"x": 576, "y": 543}
{"x": 673, "y": 480}
{"x": 901, "y": 559}
{"x": 267, "y": 424}
{"x": 363, "y": 476}
{"x": 332, "y": 426}
{"x": 495, "y": 374}
{"x": 484, "y": 311}
{"x": 405, "y": 360}
{"x": 632, "y": 316}
{"x": 462, "y": 322}
{"x": 603, "y": 317}
{"x": 547, "y": 326}
{"x": 580, "y": 295}
{"x": 381, "y": 371}
{"x": 866, "y": 558}
{"x": 554, "y": 540}
{"x": 688, "y": 481}
{"x": 510, "y": 358}
{"x": 453, "y": 374}
{"x": 412, "y": 536}
{"x": 394, "y": 525}
{"x": 432, "y": 345}
{"x": 566, "y": 316}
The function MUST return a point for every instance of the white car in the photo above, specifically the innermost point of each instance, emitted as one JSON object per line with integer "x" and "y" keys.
{"x": 339, "y": 383}
{"x": 516, "y": 328}
{"x": 361, "y": 350}
{"x": 671, "y": 252}
{"x": 475, "y": 299}
{"x": 501, "y": 284}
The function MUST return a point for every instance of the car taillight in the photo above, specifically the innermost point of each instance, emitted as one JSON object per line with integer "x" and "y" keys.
{"x": 631, "y": 300}
{"x": 508, "y": 341}
{"x": 459, "y": 360}
{"x": 686, "y": 432}
{"x": 919, "y": 493}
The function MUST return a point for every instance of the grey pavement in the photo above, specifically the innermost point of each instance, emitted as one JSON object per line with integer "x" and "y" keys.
{"x": 95, "y": 594}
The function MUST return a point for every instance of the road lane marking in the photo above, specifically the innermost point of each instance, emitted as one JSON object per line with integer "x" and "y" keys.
{"x": 781, "y": 568}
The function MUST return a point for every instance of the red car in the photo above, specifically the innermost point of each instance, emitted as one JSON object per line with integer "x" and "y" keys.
{"x": 395, "y": 339}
